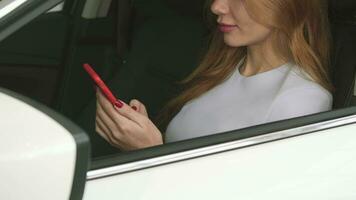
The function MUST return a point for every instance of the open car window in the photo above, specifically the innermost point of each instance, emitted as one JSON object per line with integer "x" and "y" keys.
{"x": 142, "y": 56}
{"x": 130, "y": 45}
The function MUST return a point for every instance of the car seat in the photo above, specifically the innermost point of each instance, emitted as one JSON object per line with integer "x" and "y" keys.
{"x": 161, "y": 43}
{"x": 343, "y": 28}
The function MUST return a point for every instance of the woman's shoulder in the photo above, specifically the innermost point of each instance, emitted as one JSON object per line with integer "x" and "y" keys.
{"x": 297, "y": 81}
{"x": 300, "y": 91}
{"x": 298, "y": 96}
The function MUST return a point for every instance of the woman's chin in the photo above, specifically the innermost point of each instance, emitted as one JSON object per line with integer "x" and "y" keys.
{"x": 234, "y": 43}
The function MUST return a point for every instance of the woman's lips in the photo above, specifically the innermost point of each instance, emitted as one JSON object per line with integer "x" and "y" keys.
{"x": 227, "y": 28}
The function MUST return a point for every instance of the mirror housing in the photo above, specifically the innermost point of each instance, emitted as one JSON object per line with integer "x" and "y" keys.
{"x": 42, "y": 154}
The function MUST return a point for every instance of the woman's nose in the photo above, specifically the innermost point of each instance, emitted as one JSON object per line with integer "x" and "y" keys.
{"x": 220, "y": 7}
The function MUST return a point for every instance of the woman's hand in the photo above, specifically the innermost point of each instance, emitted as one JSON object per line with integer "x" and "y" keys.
{"x": 124, "y": 127}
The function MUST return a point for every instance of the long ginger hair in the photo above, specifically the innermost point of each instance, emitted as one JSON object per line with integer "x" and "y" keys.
{"x": 300, "y": 35}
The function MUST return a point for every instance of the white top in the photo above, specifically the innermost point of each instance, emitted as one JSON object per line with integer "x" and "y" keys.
{"x": 239, "y": 102}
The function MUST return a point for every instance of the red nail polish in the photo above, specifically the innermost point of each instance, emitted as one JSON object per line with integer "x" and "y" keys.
{"x": 134, "y": 107}
{"x": 119, "y": 104}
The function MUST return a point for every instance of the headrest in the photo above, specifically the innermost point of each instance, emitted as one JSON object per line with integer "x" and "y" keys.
{"x": 343, "y": 10}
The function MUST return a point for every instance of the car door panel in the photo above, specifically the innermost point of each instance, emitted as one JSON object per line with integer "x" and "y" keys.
{"x": 318, "y": 165}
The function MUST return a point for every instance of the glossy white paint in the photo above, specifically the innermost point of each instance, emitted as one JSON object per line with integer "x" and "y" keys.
{"x": 37, "y": 155}
{"x": 7, "y": 6}
{"x": 315, "y": 166}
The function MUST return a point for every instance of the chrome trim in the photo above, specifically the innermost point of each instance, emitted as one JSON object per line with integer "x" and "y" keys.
{"x": 104, "y": 172}
{"x": 9, "y": 7}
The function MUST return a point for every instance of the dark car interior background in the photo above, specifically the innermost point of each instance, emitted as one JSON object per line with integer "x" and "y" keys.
{"x": 141, "y": 48}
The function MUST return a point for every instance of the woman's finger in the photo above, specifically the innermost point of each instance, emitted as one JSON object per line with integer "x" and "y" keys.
{"x": 125, "y": 115}
{"x": 106, "y": 119}
{"x": 102, "y": 132}
{"x": 135, "y": 104}
{"x": 107, "y": 134}
{"x": 123, "y": 125}
{"x": 131, "y": 114}
{"x": 109, "y": 110}
{"x": 140, "y": 106}
{"x": 114, "y": 126}
{"x": 106, "y": 125}
{"x": 99, "y": 123}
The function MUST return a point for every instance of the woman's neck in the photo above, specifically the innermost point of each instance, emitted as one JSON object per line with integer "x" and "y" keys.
{"x": 260, "y": 58}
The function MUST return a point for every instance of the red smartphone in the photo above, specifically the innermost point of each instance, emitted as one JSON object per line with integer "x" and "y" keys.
{"x": 100, "y": 83}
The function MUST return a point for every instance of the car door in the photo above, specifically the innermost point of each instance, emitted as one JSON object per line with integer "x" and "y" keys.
{"x": 307, "y": 158}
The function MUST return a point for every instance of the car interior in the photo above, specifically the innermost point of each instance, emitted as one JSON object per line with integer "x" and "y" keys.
{"x": 141, "y": 48}
{"x": 153, "y": 62}
{"x": 343, "y": 27}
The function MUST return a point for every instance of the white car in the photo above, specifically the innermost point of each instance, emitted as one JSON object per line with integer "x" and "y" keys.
{"x": 47, "y": 150}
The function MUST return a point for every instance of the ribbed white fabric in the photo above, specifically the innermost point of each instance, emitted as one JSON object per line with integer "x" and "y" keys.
{"x": 239, "y": 102}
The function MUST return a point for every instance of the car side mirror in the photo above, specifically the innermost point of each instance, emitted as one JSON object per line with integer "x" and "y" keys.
{"x": 42, "y": 154}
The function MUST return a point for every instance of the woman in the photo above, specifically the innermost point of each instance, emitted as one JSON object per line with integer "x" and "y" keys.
{"x": 267, "y": 61}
